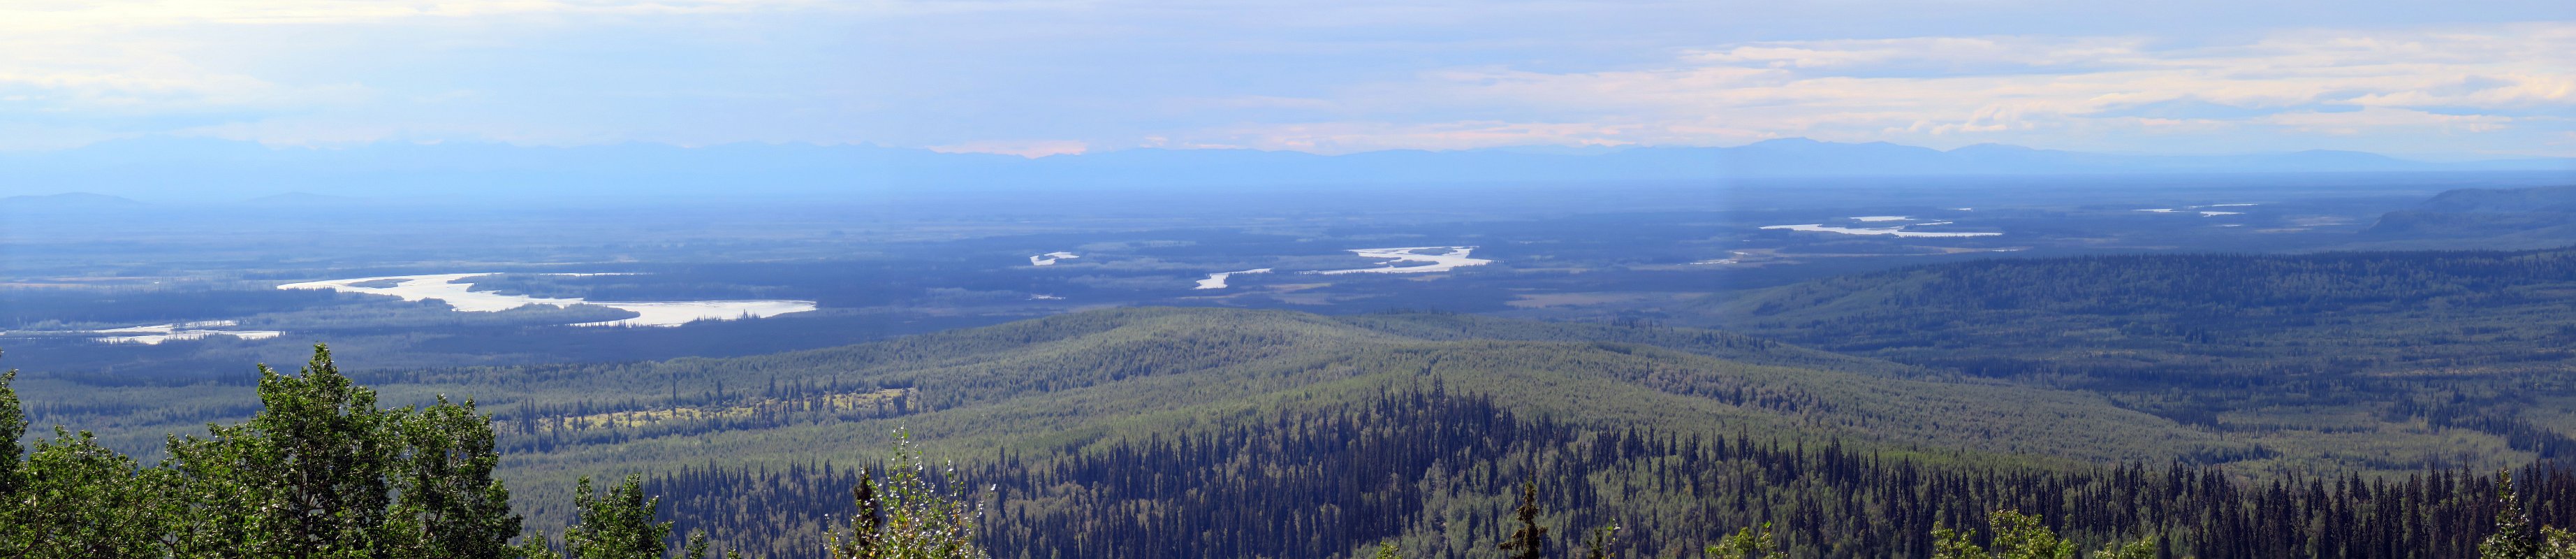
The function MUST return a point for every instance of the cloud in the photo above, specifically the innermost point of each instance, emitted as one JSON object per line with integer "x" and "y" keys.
{"x": 38, "y": 15}
{"x": 2380, "y": 118}
{"x": 690, "y": 72}
{"x": 1949, "y": 55}
{"x": 1325, "y": 76}
{"x": 2352, "y": 88}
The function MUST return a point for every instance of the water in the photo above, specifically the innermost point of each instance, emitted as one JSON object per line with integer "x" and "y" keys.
{"x": 1217, "y": 280}
{"x": 1455, "y": 257}
{"x": 463, "y": 298}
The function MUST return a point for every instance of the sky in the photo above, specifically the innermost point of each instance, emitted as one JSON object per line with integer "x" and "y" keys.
{"x": 2431, "y": 80}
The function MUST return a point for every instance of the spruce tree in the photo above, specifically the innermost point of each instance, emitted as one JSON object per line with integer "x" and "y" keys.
{"x": 907, "y": 515}
{"x": 1603, "y": 540}
{"x": 864, "y": 524}
{"x": 2513, "y": 537}
{"x": 1530, "y": 542}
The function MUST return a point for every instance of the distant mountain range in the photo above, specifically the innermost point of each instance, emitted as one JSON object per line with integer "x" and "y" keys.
{"x": 204, "y": 169}
{"x": 2508, "y": 217}
{"x": 66, "y": 200}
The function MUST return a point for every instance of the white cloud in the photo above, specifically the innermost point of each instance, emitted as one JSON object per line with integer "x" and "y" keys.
{"x": 2381, "y": 118}
{"x": 1327, "y": 76}
{"x": 2327, "y": 86}
{"x": 1946, "y": 53}
{"x": 333, "y": 71}
{"x": 40, "y": 15}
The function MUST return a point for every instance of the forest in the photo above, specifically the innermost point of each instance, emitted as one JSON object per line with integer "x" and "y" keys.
{"x": 2185, "y": 418}
{"x": 2370, "y": 351}
{"x": 1422, "y": 471}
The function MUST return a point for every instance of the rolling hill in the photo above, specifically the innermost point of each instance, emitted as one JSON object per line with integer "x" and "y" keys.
{"x": 2501, "y": 217}
{"x": 2112, "y": 394}
{"x": 1076, "y": 384}
{"x": 2387, "y": 361}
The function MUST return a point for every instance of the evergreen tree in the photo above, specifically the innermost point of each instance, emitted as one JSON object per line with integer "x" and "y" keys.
{"x": 908, "y": 515}
{"x": 2513, "y": 537}
{"x": 1530, "y": 542}
{"x": 1603, "y": 539}
{"x": 864, "y": 524}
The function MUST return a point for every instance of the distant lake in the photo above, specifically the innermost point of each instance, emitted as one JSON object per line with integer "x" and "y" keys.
{"x": 462, "y": 297}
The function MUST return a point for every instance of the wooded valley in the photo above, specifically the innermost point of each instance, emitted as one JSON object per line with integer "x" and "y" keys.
{"x": 2335, "y": 405}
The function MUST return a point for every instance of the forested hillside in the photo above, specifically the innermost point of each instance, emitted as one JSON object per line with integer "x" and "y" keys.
{"x": 2368, "y": 360}
{"x": 1435, "y": 473}
{"x": 1081, "y": 382}
{"x": 2258, "y": 398}
{"x": 1416, "y": 469}
{"x": 2497, "y": 217}
{"x": 1161, "y": 432}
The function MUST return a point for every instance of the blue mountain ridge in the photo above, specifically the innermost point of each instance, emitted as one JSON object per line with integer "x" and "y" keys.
{"x": 210, "y": 169}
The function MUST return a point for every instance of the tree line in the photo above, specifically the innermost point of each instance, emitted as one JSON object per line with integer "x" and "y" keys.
{"x": 1437, "y": 475}
{"x": 322, "y": 470}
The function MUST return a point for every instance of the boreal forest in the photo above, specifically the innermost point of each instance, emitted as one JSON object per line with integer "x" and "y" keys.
{"x": 1287, "y": 279}
{"x": 2361, "y": 404}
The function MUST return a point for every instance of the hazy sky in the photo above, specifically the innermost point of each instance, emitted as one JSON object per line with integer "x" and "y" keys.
{"x": 2430, "y": 79}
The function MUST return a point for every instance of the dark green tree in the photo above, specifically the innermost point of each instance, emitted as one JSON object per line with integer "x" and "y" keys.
{"x": 71, "y": 497}
{"x": 1530, "y": 542}
{"x": 2023, "y": 536}
{"x": 619, "y": 525}
{"x": 83, "y": 500}
{"x": 319, "y": 472}
{"x": 1602, "y": 543}
{"x": 865, "y": 523}
{"x": 2514, "y": 537}
{"x": 905, "y": 515}
{"x": 616, "y": 526}
{"x": 448, "y": 504}
{"x": 310, "y": 475}
{"x": 13, "y": 426}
